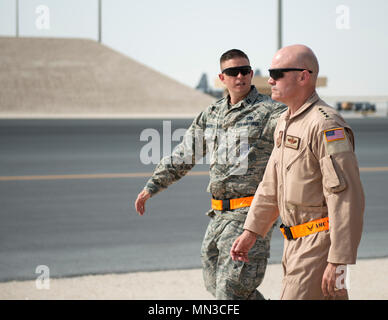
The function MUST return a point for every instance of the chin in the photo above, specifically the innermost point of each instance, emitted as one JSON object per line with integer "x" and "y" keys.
{"x": 242, "y": 89}
{"x": 275, "y": 96}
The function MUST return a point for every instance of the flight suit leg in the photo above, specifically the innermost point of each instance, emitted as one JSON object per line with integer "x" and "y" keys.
{"x": 304, "y": 262}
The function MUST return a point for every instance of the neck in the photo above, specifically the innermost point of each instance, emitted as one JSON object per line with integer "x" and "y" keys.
{"x": 298, "y": 101}
{"x": 236, "y": 98}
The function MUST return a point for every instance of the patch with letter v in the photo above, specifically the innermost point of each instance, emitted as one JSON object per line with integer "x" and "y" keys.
{"x": 292, "y": 142}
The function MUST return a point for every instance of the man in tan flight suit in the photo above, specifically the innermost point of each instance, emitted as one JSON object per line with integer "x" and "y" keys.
{"x": 312, "y": 181}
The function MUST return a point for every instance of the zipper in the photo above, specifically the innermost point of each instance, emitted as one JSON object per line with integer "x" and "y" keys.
{"x": 283, "y": 175}
{"x": 296, "y": 158}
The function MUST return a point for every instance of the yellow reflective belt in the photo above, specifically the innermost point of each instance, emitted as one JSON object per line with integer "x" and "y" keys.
{"x": 231, "y": 204}
{"x": 305, "y": 229}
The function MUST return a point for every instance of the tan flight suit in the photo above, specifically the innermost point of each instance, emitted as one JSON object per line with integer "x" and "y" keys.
{"x": 312, "y": 173}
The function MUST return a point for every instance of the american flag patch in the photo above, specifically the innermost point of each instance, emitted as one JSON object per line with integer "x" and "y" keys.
{"x": 334, "y": 134}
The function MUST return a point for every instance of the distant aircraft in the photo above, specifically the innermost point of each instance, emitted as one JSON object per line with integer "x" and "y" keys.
{"x": 202, "y": 84}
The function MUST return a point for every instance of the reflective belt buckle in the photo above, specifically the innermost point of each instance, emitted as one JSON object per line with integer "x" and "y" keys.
{"x": 287, "y": 233}
{"x": 225, "y": 205}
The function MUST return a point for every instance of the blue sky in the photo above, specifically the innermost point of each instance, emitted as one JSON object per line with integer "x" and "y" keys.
{"x": 183, "y": 39}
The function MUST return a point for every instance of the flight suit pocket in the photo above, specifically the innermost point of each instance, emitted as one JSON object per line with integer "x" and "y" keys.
{"x": 332, "y": 178}
{"x": 295, "y": 158}
{"x": 302, "y": 186}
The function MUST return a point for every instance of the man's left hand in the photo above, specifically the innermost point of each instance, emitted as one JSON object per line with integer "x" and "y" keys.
{"x": 329, "y": 281}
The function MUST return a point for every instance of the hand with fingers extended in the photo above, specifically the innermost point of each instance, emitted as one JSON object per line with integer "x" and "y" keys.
{"x": 141, "y": 200}
{"x": 242, "y": 245}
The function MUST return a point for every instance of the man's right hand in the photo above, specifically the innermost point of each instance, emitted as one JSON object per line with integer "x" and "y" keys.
{"x": 141, "y": 200}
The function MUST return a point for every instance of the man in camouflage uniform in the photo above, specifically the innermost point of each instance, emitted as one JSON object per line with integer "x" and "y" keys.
{"x": 237, "y": 133}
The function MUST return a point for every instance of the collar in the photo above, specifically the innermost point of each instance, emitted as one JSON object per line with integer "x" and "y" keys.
{"x": 308, "y": 103}
{"x": 249, "y": 99}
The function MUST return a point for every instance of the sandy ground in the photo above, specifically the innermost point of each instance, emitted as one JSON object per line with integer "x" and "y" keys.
{"x": 367, "y": 280}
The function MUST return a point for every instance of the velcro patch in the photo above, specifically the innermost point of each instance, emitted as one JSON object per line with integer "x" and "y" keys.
{"x": 292, "y": 142}
{"x": 335, "y": 134}
{"x": 336, "y": 141}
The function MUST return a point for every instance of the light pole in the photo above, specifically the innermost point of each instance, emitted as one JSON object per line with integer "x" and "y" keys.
{"x": 279, "y": 24}
{"x": 99, "y": 21}
{"x": 17, "y": 18}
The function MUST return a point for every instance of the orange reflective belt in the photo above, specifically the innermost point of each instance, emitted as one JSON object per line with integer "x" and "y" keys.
{"x": 231, "y": 204}
{"x": 305, "y": 229}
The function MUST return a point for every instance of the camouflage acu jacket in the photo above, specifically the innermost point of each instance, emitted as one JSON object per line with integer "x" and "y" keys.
{"x": 236, "y": 140}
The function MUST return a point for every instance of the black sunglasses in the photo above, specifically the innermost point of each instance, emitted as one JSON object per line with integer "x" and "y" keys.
{"x": 279, "y": 73}
{"x": 233, "y": 72}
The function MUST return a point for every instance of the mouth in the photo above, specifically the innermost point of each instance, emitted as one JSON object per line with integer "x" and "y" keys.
{"x": 240, "y": 84}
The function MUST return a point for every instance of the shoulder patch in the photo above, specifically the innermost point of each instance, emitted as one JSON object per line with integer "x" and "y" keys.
{"x": 336, "y": 141}
{"x": 334, "y": 134}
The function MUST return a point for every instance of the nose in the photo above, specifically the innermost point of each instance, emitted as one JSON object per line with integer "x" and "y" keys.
{"x": 271, "y": 81}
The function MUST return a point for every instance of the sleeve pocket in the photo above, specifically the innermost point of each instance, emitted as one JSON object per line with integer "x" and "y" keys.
{"x": 333, "y": 181}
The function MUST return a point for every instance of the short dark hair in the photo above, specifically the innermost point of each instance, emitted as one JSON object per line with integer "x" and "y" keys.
{"x": 231, "y": 54}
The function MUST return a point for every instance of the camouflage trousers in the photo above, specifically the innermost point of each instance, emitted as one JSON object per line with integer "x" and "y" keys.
{"x": 227, "y": 279}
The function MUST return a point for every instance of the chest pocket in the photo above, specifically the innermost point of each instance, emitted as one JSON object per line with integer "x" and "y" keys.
{"x": 255, "y": 129}
{"x": 247, "y": 132}
{"x": 303, "y": 163}
{"x": 210, "y": 135}
{"x": 303, "y": 178}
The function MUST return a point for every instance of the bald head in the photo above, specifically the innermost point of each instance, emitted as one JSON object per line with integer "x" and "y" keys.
{"x": 294, "y": 87}
{"x": 297, "y": 56}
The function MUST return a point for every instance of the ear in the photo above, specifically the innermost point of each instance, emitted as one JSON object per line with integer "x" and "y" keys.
{"x": 221, "y": 77}
{"x": 304, "y": 77}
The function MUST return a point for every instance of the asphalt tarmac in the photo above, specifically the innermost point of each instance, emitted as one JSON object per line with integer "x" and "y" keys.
{"x": 67, "y": 192}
